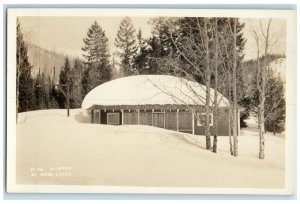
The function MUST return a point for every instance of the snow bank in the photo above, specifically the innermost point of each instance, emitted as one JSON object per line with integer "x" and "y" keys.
{"x": 149, "y": 89}
{"x": 139, "y": 155}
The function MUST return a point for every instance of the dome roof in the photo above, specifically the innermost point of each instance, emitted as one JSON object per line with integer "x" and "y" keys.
{"x": 149, "y": 90}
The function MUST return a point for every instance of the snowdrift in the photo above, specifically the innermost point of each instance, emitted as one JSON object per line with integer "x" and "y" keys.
{"x": 139, "y": 155}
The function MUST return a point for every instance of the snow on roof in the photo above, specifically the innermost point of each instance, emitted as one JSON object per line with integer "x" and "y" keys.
{"x": 149, "y": 90}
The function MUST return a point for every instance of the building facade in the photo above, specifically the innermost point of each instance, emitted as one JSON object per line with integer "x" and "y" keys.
{"x": 155, "y": 100}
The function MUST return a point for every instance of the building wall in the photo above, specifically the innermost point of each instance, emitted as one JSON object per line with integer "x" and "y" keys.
{"x": 97, "y": 116}
{"x": 146, "y": 117}
{"x": 185, "y": 122}
{"x": 165, "y": 119}
{"x": 222, "y": 124}
{"x": 171, "y": 120}
{"x": 103, "y": 116}
{"x": 130, "y": 118}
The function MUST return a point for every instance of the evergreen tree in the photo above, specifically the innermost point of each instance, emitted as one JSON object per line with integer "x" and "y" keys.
{"x": 164, "y": 33}
{"x": 275, "y": 105}
{"x": 154, "y": 53}
{"x": 53, "y": 91}
{"x": 126, "y": 44}
{"x": 161, "y": 43}
{"x": 46, "y": 90}
{"x": 86, "y": 80}
{"x": 94, "y": 75}
{"x": 64, "y": 79}
{"x": 114, "y": 70}
{"x": 275, "y": 94}
{"x": 25, "y": 88}
{"x": 52, "y": 104}
{"x": 141, "y": 62}
{"x": 97, "y": 68}
{"x": 95, "y": 45}
{"x": 75, "y": 84}
{"x": 40, "y": 92}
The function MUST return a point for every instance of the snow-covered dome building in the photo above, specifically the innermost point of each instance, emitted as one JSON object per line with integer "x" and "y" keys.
{"x": 158, "y": 100}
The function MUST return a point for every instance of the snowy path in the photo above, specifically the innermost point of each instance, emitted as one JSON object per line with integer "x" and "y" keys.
{"x": 137, "y": 155}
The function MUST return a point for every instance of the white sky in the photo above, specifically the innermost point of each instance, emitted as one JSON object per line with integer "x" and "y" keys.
{"x": 277, "y": 36}
{"x": 65, "y": 34}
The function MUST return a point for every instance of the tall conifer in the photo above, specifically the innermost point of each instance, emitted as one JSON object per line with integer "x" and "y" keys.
{"x": 127, "y": 48}
{"x": 96, "y": 54}
{"x": 25, "y": 88}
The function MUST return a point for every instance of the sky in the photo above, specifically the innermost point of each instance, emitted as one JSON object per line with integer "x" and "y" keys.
{"x": 278, "y": 33}
{"x": 65, "y": 34}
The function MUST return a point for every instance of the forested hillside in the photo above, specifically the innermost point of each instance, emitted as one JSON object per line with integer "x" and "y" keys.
{"x": 45, "y": 61}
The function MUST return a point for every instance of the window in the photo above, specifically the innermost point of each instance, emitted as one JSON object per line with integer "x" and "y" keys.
{"x": 113, "y": 118}
{"x": 201, "y": 121}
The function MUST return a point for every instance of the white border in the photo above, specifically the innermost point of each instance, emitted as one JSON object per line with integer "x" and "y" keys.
{"x": 290, "y": 16}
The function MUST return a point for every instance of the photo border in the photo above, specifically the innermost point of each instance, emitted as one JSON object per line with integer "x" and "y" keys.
{"x": 291, "y": 83}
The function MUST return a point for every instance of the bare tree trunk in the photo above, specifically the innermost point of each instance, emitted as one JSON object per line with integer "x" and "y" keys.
{"x": 230, "y": 116}
{"x": 261, "y": 115}
{"x": 207, "y": 83}
{"x": 235, "y": 140}
{"x": 216, "y": 88}
{"x": 263, "y": 96}
{"x": 230, "y": 136}
{"x": 274, "y": 127}
{"x": 261, "y": 105}
{"x": 261, "y": 132}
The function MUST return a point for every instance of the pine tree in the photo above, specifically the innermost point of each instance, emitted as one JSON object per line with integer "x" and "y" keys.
{"x": 94, "y": 75}
{"x": 95, "y": 44}
{"x": 75, "y": 84}
{"x": 153, "y": 54}
{"x": 40, "y": 91}
{"x": 52, "y": 103}
{"x": 53, "y": 92}
{"x": 64, "y": 79}
{"x": 126, "y": 44}
{"x": 25, "y": 88}
{"x": 275, "y": 97}
{"x": 275, "y": 105}
{"x": 46, "y": 91}
{"x": 114, "y": 70}
{"x": 161, "y": 43}
{"x": 162, "y": 32}
{"x": 141, "y": 62}
{"x": 97, "y": 67}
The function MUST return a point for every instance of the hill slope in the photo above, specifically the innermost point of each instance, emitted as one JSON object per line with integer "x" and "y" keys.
{"x": 45, "y": 60}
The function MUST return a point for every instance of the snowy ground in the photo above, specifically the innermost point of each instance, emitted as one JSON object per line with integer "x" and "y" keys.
{"x": 252, "y": 126}
{"x": 54, "y": 149}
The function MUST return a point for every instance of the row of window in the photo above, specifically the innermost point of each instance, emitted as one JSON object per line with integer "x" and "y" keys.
{"x": 114, "y": 119}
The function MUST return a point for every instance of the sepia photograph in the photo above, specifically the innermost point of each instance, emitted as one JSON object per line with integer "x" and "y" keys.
{"x": 151, "y": 101}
